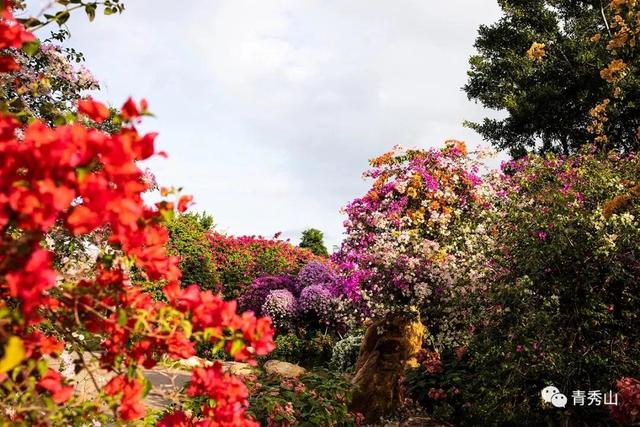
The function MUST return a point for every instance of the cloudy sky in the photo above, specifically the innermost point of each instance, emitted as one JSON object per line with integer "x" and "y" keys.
{"x": 269, "y": 109}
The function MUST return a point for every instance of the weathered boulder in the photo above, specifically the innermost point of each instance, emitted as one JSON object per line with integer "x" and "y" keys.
{"x": 388, "y": 348}
{"x": 240, "y": 369}
{"x": 283, "y": 369}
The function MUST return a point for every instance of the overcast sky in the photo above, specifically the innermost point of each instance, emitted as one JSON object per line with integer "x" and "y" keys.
{"x": 269, "y": 109}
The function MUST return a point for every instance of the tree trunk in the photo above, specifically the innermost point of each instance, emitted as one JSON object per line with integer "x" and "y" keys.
{"x": 388, "y": 348}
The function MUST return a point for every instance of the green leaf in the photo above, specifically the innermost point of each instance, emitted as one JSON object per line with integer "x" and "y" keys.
{"x": 90, "y": 10}
{"x": 81, "y": 173}
{"x": 62, "y": 17}
{"x": 122, "y": 317}
{"x": 30, "y": 22}
{"x": 147, "y": 387}
{"x": 236, "y": 346}
{"x": 13, "y": 354}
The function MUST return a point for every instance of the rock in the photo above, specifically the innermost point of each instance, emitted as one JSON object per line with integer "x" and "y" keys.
{"x": 283, "y": 369}
{"x": 240, "y": 369}
{"x": 194, "y": 362}
{"x": 388, "y": 348}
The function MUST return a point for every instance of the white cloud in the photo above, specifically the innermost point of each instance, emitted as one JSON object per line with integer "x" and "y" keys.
{"x": 271, "y": 108}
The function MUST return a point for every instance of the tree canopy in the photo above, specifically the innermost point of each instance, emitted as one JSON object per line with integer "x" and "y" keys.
{"x": 542, "y": 64}
{"x": 313, "y": 240}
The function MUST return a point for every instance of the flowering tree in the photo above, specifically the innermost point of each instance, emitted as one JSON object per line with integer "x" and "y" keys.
{"x": 411, "y": 237}
{"x": 82, "y": 179}
{"x": 411, "y": 248}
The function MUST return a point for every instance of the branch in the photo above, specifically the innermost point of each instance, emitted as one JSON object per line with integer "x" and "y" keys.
{"x": 604, "y": 18}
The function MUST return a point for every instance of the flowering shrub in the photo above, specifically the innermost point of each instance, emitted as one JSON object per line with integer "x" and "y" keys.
{"x": 436, "y": 384}
{"x": 256, "y": 295}
{"x": 46, "y": 85}
{"x": 316, "y": 273}
{"x": 84, "y": 180}
{"x": 241, "y": 260}
{"x": 345, "y": 353}
{"x": 318, "y": 399}
{"x": 417, "y": 241}
{"x": 561, "y": 306}
{"x": 316, "y": 303}
{"x": 280, "y": 306}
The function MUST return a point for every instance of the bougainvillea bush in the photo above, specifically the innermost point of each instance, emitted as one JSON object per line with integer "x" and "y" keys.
{"x": 563, "y": 308}
{"x": 413, "y": 241}
{"x": 317, "y": 294}
{"x": 241, "y": 260}
{"x": 47, "y": 83}
{"x": 256, "y": 294}
{"x": 281, "y": 306}
{"x": 566, "y": 307}
{"x": 82, "y": 179}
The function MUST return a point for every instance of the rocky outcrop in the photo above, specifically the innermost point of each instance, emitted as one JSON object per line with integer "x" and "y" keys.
{"x": 283, "y": 369}
{"x": 388, "y": 348}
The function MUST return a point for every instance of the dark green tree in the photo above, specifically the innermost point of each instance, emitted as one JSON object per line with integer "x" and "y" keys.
{"x": 546, "y": 97}
{"x": 313, "y": 240}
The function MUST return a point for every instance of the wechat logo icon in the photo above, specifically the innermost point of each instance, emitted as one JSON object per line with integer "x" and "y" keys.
{"x": 552, "y": 395}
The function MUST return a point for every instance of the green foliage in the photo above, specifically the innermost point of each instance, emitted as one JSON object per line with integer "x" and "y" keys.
{"x": 289, "y": 348}
{"x": 315, "y": 399}
{"x": 188, "y": 240}
{"x": 59, "y": 12}
{"x": 561, "y": 308}
{"x": 547, "y": 102}
{"x": 565, "y": 310}
{"x": 451, "y": 380}
{"x": 313, "y": 240}
{"x": 312, "y": 350}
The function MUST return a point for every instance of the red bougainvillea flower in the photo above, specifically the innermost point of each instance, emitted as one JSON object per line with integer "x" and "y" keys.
{"x": 12, "y": 35}
{"x": 81, "y": 180}
{"x": 184, "y": 203}
{"x": 96, "y": 111}
{"x": 130, "y": 392}
{"x": 52, "y": 382}
{"x": 229, "y": 393}
{"x": 627, "y": 411}
{"x": 32, "y": 280}
{"x": 175, "y": 419}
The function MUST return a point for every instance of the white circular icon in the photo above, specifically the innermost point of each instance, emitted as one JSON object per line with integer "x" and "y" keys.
{"x": 548, "y": 392}
{"x": 559, "y": 400}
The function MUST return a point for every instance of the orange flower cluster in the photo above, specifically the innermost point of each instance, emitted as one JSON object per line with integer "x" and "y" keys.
{"x": 614, "y": 72}
{"x": 536, "y": 52}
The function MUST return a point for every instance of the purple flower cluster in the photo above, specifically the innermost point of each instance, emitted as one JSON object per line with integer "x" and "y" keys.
{"x": 280, "y": 305}
{"x": 316, "y": 300}
{"x": 316, "y": 273}
{"x": 314, "y": 296}
{"x": 255, "y": 296}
